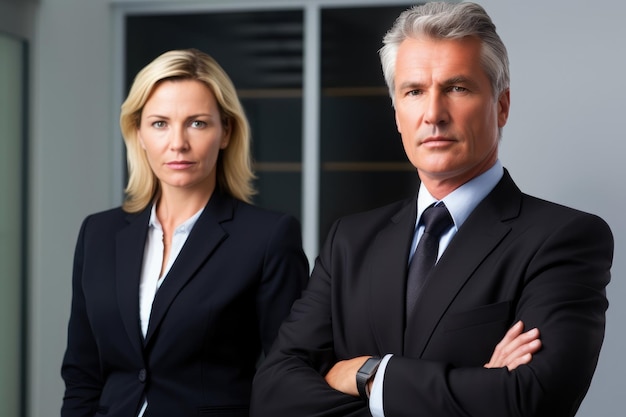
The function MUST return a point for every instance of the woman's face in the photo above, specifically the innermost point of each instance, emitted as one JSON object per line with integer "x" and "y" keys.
{"x": 182, "y": 133}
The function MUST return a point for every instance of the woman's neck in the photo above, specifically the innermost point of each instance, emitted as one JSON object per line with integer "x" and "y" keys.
{"x": 174, "y": 207}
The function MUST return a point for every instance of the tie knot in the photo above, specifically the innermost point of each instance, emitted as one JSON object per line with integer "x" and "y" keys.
{"x": 436, "y": 219}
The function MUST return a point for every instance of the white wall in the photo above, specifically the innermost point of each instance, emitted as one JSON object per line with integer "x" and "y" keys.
{"x": 564, "y": 142}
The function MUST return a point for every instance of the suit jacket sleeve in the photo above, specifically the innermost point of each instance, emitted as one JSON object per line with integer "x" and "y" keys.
{"x": 291, "y": 380}
{"x": 81, "y": 365}
{"x": 285, "y": 273}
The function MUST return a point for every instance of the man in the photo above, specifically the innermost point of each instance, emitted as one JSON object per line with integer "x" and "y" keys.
{"x": 506, "y": 262}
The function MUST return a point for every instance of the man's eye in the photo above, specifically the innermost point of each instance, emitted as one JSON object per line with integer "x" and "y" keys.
{"x": 458, "y": 89}
{"x": 414, "y": 93}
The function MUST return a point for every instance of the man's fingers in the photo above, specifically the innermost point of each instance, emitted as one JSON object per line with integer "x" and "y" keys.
{"x": 516, "y": 348}
{"x": 523, "y": 354}
{"x": 510, "y": 336}
{"x": 508, "y": 347}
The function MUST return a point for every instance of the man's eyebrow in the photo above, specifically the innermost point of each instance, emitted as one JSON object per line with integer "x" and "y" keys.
{"x": 411, "y": 85}
{"x": 454, "y": 80}
{"x": 459, "y": 79}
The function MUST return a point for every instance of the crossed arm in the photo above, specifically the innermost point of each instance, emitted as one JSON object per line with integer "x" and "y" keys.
{"x": 563, "y": 284}
{"x": 516, "y": 348}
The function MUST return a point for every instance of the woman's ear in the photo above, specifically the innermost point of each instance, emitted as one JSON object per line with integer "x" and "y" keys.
{"x": 226, "y": 132}
{"x": 140, "y": 139}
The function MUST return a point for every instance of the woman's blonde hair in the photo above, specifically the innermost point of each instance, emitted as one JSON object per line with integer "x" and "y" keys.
{"x": 234, "y": 165}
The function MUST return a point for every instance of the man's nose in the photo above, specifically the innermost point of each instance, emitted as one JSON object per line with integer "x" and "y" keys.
{"x": 436, "y": 112}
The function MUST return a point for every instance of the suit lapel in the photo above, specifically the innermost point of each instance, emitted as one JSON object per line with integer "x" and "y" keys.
{"x": 387, "y": 268}
{"x": 204, "y": 238}
{"x": 486, "y": 227}
{"x": 130, "y": 244}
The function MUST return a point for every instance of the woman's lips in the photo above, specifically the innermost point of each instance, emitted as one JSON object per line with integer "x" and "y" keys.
{"x": 179, "y": 164}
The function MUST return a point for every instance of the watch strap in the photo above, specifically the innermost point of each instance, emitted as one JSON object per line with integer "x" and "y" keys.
{"x": 365, "y": 374}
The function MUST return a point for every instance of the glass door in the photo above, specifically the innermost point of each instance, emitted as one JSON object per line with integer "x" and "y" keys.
{"x": 262, "y": 53}
{"x": 363, "y": 164}
{"x": 347, "y": 155}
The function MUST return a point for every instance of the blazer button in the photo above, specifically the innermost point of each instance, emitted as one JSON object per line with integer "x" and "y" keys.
{"x": 142, "y": 375}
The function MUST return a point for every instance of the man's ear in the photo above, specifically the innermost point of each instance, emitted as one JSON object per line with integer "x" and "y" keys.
{"x": 504, "y": 104}
{"x": 397, "y": 122}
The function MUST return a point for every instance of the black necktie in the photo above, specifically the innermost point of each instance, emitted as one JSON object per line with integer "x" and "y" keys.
{"x": 436, "y": 219}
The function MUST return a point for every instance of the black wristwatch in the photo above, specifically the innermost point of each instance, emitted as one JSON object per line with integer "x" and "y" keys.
{"x": 364, "y": 374}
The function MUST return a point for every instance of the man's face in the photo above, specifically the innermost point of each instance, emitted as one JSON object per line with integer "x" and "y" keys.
{"x": 446, "y": 111}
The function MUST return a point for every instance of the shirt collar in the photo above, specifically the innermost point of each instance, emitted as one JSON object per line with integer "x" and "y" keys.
{"x": 462, "y": 201}
{"x": 185, "y": 227}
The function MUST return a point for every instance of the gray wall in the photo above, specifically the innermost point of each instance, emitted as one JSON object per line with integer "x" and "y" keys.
{"x": 11, "y": 220}
{"x": 71, "y": 164}
{"x": 564, "y": 142}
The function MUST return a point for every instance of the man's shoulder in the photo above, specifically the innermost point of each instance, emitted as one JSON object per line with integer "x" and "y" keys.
{"x": 386, "y": 212}
{"x": 554, "y": 215}
{"x": 365, "y": 225}
{"x": 551, "y": 208}
{"x": 508, "y": 197}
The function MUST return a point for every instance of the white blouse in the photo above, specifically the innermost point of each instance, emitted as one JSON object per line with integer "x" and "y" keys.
{"x": 150, "y": 280}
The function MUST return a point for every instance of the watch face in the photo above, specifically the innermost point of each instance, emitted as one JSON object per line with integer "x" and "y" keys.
{"x": 369, "y": 366}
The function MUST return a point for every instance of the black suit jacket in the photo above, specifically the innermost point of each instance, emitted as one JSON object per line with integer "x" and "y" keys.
{"x": 218, "y": 309}
{"x": 515, "y": 258}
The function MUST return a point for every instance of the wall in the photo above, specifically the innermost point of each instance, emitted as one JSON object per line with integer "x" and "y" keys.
{"x": 564, "y": 141}
{"x": 71, "y": 164}
{"x": 11, "y": 222}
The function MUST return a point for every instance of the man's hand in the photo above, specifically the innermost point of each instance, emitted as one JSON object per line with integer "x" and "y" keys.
{"x": 516, "y": 348}
{"x": 342, "y": 376}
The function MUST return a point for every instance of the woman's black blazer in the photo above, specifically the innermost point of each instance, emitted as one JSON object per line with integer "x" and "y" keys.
{"x": 217, "y": 311}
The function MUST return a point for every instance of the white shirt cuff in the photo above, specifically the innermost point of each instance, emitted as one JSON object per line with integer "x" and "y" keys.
{"x": 376, "y": 395}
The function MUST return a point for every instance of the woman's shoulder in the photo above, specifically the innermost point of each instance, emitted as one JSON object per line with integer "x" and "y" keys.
{"x": 110, "y": 218}
{"x": 263, "y": 217}
{"x": 108, "y": 214}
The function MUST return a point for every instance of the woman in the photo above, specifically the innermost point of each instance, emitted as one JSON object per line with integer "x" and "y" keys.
{"x": 179, "y": 292}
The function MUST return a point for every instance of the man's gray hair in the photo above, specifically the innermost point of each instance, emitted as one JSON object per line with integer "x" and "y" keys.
{"x": 441, "y": 20}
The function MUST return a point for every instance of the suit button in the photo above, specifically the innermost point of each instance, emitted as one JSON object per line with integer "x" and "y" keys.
{"x": 142, "y": 375}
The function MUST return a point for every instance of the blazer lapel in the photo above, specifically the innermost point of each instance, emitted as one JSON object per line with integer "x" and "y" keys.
{"x": 486, "y": 227}
{"x": 387, "y": 263}
{"x": 204, "y": 238}
{"x": 130, "y": 244}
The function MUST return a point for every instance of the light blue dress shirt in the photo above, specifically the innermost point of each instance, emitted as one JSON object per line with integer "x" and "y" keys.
{"x": 460, "y": 203}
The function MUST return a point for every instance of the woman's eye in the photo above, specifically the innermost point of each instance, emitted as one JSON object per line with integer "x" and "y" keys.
{"x": 158, "y": 124}
{"x": 198, "y": 124}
